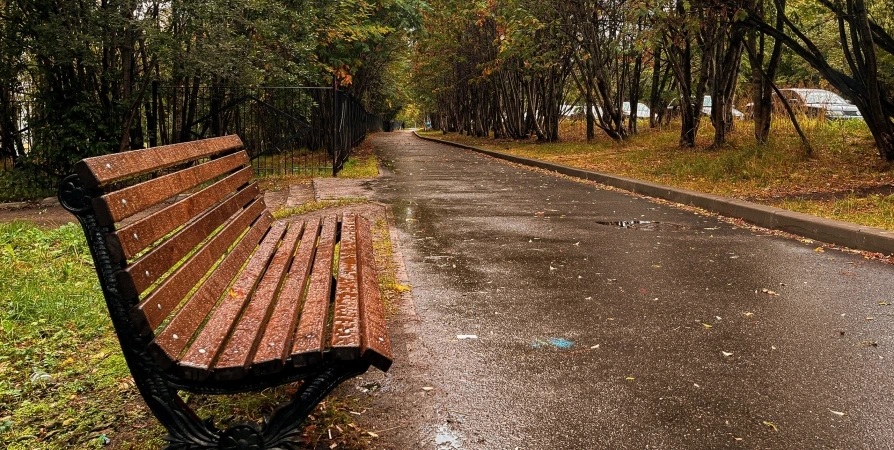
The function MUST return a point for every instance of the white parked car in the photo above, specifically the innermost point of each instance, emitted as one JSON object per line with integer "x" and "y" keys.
{"x": 821, "y": 103}
{"x": 642, "y": 111}
{"x": 706, "y": 109}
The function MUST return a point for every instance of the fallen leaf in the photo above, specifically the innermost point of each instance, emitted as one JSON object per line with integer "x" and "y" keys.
{"x": 630, "y": 378}
{"x": 771, "y": 425}
{"x": 372, "y": 434}
{"x": 707, "y": 325}
{"x": 819, "y": 250}
{"x": 884, "y": 304}
{"x": 401, "y": 288}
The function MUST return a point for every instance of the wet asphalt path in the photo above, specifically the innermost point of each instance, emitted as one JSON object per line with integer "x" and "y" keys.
{"x": 595, "y": 336}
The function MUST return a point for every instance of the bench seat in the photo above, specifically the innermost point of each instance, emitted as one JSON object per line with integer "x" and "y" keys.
{"x": 208, "y": 293}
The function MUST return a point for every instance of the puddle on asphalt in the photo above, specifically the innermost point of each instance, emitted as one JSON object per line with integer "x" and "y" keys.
{"x": 446, "y": 440}
{"x": 643, "y": 225}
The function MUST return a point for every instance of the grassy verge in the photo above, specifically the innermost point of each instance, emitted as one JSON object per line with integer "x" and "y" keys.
{"x": 843, "y": 179}
{"x": 63, "y": 381}
{"x": 361, "y": 164}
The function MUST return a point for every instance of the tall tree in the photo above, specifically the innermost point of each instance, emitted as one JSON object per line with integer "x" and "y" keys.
{"x": 861, "y": 39}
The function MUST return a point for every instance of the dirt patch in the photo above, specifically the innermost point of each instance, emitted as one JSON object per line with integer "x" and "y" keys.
{"x": 43, "y": 217}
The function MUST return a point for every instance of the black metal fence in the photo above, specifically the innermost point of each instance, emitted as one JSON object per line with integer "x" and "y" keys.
{"x": 286, "y": 130}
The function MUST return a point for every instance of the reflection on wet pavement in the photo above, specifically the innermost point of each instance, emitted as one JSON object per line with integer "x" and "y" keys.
{"x": 589, "y": 334}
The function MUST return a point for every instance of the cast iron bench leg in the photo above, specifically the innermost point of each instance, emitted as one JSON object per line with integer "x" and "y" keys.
{"x": 282, "y": 431}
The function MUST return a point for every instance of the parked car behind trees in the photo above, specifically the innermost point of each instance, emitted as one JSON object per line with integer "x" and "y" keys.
{"x": 642, "y": 111}
{"x": 820, "y": 103}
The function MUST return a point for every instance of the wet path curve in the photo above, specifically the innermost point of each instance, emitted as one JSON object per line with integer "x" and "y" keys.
{"x": 686, "y": 333}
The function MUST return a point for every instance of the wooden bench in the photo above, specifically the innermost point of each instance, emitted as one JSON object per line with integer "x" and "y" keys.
{"x": 208, "y": 294}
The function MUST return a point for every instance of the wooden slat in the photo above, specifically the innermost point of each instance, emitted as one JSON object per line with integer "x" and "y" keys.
{"x": 170, "y": 342}
{"x": 150, "y": 313}
{"x": 236, "y": 356}
{"x": 107, "y": 169}
{"x": 121, "y": 204}
{"x": 310, "y": 337}
{"x": 376, "y": 347}
{"x": 151, "y": 266}
{"x": 202, "y": 353}
{"x": 134, "y": 238}
{"x": 276, "y": 343}
{"x": 345, "y": 340}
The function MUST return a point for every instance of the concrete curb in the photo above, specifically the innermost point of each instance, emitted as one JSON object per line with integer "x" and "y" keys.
{"x": 826, "y": 230}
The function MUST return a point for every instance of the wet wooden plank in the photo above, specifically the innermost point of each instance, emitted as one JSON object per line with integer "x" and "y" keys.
{"x": 276, "y": 343}
{"x": 310, "y": 337}
{"x": 121, "y": 204}
{"x": 236, "y": 357}
{"x": 202, "y": 353}
{"x": 107, "y": 169}
{"x": 170, "y": 342}
{"x": 345, "y": 339}
{"x": 152, "y": 311}
{"x": 151, "y": 266}
{"x": 376, "y": 345}
{"x": 136, "y": 237}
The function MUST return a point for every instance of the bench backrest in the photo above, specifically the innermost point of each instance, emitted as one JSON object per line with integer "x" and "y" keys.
{"x": 191, "y": 241}
{"x": 165, "y": 248}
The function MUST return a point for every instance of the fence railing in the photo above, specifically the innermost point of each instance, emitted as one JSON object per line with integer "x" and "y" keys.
{"x": 286, "y": 130}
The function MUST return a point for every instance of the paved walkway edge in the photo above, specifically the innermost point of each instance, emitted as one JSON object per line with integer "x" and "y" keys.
{"x": 826, "y": 230}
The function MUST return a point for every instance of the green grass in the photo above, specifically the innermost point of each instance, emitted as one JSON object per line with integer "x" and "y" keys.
{"x": 360, "y": 166}
{"x": 873, "y": 210}
{"x": 63, "y": 380}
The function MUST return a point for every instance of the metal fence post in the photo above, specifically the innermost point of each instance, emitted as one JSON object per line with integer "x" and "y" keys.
{"x": 335, "y": 147}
